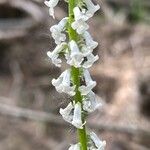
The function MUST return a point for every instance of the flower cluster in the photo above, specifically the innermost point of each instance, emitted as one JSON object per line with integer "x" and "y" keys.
{"x": 78, "y": 54}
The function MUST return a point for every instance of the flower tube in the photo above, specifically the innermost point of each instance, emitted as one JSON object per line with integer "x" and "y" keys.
{"x": 90, "y": 84}
{"x": 91, "y": 8}
{"x": 90, "y": 103}
{"x": 77, "y": 116}
{"x": 91, "y": 59}
{"x": 57, "y": 31}
{"x": 76, "y": 57}
{"x": 62, "y": 84}
{"x": 55, "y": 54}
{"x": 79, "y": 24}
{"x": 51, "y": 4}
{"x": 100, "y": 145}
{"x": 67, "y": 112}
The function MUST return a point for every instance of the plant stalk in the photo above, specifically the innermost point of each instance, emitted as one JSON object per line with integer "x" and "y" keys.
{"x": 75, "y": 74}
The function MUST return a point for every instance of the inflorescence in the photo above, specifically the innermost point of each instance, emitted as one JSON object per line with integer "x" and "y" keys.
{"x": 79, "y": 55}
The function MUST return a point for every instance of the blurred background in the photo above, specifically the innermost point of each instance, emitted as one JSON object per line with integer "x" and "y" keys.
{"x": 29, "y": 104}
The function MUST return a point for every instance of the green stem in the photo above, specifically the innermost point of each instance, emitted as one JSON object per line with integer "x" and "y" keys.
{"x": 75, "y": 73}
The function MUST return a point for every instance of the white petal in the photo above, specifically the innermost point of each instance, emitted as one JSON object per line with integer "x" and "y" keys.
{"x": 66, "y": 84}
{"x": 58, "y": 82}
{"x": 90, "y": 84}
{"x": 62, "y": 84}
{"x": 67, "y": 112}
{"x": 98, "y": 143}
{"x": 79, "y": 14}
{"x": 74, "y": 147}
{"x": 89, "y": 41}
{"x": 87, "y": 76}
{"x": 90, "y": 60}
{"x": 54, "y": 58}
{"x": 89, "y": 45}
{"x": 86, "y": 50}
{"x": 90, "y": 104}
{"x": 60, "y": 26}
{"x": 80, "y": 26}
{"x": 57, "y": 31}
{"x": 55, "y": 54}
{"x": 77, "y": 116}
{"x": 57, "y": 35}
{"x": 86, "y": 89}
{"x": 62, "y": 23}
{"x": 51, "y": 4}
{"x": 51, "y": 12}
{"x": 76, "y": 57}
{"x": 91, "y": 8}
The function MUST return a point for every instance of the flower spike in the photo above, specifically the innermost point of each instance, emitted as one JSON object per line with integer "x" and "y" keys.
{"x": 75, "y": 43}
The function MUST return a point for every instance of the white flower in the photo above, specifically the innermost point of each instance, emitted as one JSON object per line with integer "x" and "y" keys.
{"x": 73, "y": 114}
{"x": 100, "y": 145}
{"x": 57, "y": 30}
{"x": 55, "y": 54}
{"x": 62, "y": 84}
{"x": 89, "y": 41}
{"x": 86, "y": 50}
{"x": 79, "y": 14}
{"x": 91, "y": 8}
{"x": 90, "y": 84}
{"x": 51, "y": 4}
{"x": 79, "y": 24}
{"x": 75, "y": 147}
{"x": 90, "y": 103}
{"x": 67, "y": 112}
{"x": 89, "y": 45}
{"x": 76, "y": 57}
{"x": 66, "y": 84}
{"x": 77, "y": 116}
{"x": 57, "y": 82}
{"x": 90, "y": 60}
